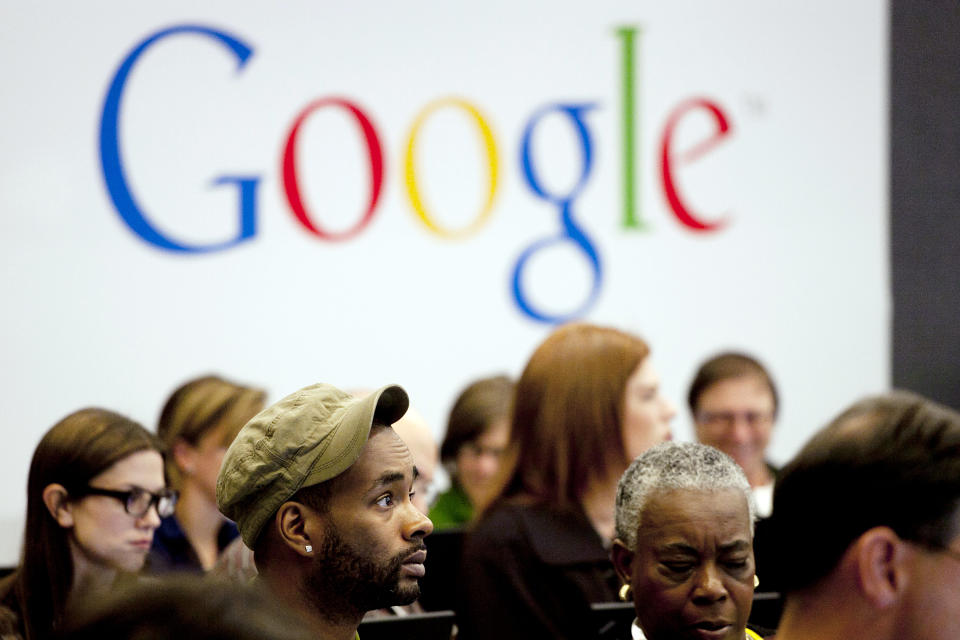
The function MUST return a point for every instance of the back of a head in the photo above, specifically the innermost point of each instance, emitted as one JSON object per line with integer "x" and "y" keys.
{"x": 674, "y": 466}
{"x": 185, "y": 606}
{"x": 567, "y": 411}
{"x": 890, "y": 460}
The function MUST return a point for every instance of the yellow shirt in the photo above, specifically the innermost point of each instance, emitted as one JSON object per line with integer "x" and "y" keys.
{"x": 638, "y": 634}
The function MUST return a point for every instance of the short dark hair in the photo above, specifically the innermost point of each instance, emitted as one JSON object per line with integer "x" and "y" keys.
{"x": 478, "y": 406}
{"x": 891, "y": 460}
{"x": 724, "y": 367}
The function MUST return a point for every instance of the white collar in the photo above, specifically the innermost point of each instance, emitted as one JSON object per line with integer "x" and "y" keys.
{"x": 636, "y": 633}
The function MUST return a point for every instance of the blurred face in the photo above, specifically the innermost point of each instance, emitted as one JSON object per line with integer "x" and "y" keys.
{"x": 415, "y": 433}
{"x": 479, "y": 461}
{"x": 423, "y": 486}
{"x": 736, "y": 416}
{"x": 692, "y": 571}
{"x": 373, "y": 551}
{"x": 102, "y": 533}
{"x": 205, "y": 460}
{"x": 646, "y": 413}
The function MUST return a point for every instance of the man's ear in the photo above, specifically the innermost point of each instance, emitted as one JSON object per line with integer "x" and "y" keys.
{"x": 622, "y": 560}
{"x": 55, "y": 499}
{"x": 879, "y": 555}
{"x": 293, "y": 525}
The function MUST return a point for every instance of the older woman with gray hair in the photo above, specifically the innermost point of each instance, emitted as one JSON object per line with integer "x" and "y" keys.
{"x": 684, "y": 545}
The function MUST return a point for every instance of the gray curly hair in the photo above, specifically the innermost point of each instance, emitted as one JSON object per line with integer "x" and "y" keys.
{"x": 669, "y": 466}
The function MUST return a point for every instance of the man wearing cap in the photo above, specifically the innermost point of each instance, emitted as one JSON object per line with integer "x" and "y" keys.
{"x": 320, "y": 487}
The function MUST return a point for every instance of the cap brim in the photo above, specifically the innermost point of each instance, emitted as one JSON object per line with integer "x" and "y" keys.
{"x": 390, "y": 404}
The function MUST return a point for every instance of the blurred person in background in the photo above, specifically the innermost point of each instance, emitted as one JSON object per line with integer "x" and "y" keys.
{"x": 95, "y": 496}
{"x": 734, "y": 404}
{"x": 478, "y": 431}
{"x": 416, "y": 434}
{"x": 684, "y": 548}
{"x": 587, "y": 403}
{"x": 197, "y": 424}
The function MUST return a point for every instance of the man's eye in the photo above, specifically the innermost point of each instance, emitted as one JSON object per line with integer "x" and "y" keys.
{"x": 385, "y": 500}
{"x": 736, "y": 565}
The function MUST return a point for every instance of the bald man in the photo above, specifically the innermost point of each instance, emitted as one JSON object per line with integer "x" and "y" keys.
{"x": 415, "y": 432}
{"x": 868, "y": 519}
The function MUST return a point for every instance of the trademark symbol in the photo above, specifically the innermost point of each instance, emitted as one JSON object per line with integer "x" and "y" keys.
{"x": 756, "y": 105}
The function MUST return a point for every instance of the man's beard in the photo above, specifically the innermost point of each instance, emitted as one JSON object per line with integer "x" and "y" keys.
{"x": 342, "y": 583}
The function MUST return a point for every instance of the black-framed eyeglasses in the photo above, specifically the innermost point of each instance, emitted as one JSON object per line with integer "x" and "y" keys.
{"x": 137, "y": 501}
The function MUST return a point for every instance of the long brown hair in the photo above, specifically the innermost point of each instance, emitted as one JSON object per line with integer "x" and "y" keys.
{"x": 567, "y": 412}
{"x": 72, "y": 452}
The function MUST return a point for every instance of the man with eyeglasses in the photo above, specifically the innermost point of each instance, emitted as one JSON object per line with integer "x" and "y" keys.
{"x": 733, "y": 401}
{"x": 321, "y": 488}
{"x": 867, "y": 523}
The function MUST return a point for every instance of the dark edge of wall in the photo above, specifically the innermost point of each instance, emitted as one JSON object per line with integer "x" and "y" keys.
{"x": 925, "y": 196}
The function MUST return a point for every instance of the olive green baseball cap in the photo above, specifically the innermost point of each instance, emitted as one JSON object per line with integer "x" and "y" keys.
{"x": 310, "y": 436}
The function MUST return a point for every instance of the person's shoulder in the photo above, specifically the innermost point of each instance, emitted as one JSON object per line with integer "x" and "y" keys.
{"x": 754, "y": 632}
{"x": 169, "y": 529}
{"x": 501, "y": 520}
{"x": 534, "y": 524}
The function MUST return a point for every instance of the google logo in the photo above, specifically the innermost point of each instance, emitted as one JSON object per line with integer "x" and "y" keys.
{"x": 569, "y": 232}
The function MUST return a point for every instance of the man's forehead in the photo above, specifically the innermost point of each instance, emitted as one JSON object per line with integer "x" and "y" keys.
{"x": 384, "y": 458}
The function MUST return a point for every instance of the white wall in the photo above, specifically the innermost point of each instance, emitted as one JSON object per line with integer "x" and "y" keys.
{"x": 94, "y": 315}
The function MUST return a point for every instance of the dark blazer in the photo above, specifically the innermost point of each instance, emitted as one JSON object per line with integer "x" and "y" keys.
{"x": 532, "y": 572}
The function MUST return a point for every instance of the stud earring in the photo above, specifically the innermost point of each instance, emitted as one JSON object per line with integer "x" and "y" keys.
{"x": 309, "y": 548}
{"x": 756, "y": 581}
{"x": 625, "y": 592}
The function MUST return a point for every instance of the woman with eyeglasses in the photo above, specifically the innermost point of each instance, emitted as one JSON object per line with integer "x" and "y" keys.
{"x": 95, "y": 495}
{"x": 478, "y": 431}
{"x": 198, "y": 422}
